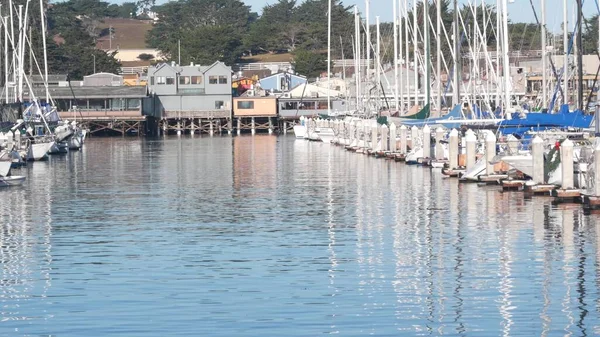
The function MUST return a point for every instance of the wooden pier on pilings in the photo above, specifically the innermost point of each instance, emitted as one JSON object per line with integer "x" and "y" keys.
{"x": 209, "y": 126}
{"x": 191, "y": 122}
{"x": 108, "y": 122}
{"x": 256, "y": 124}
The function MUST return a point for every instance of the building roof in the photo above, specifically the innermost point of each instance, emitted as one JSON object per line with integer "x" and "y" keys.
{"x": 91, "y": 92}
{"x": 283, "y": 73}
{"x": 51, "y": 78}
{"x": 178, "y": 68}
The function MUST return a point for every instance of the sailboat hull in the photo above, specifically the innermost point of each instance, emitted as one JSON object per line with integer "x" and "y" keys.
{"x": 39, "y": 151}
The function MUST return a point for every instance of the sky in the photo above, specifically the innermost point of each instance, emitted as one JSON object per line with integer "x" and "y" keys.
{"x": 518, "y": 10}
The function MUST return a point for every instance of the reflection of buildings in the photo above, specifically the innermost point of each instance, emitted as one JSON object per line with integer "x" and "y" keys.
{"x": 254, "y": 164}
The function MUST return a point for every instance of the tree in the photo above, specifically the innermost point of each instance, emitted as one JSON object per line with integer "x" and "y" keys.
{"x": 277, "y": 29}
{"x": 590, "y": 35}
{"x": 76, "y": 53}
{"x": 312, "y": 15}
{"x": 209, "y": 30}
{"x": 309, "y": 63}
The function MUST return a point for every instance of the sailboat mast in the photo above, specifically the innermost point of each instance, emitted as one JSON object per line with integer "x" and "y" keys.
{"x": 378, "y": 61}
{"x": 579, "y": 58}
{"x": 498, "y": 37}
{"x": 20, "y": 55}
{"x": 438, "y": 64}
{"x": 426, "y": 43}
{"x": 455, "y": 70}
{"x": 406, "y": 50}
{"x": 415, "y": 53}
{"x": 43, "y": 19}
{"x": 357, "y": 56}
{"x": 544, "y": 57}
{"x": 396, "y": 98}
{"x": 506, "y": 60}
{"x": 400, "y": 53}
{"x": 14, "y": 54}
{"x": 368, "y": 44}
{"x": 6, "y": 70}
{"x": 328, "y": 59}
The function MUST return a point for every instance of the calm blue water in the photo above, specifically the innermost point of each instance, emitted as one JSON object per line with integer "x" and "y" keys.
{"x": 269, "y": 236}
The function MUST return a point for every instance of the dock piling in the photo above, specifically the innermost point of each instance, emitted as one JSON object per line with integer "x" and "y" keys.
{"x": 374, "y": 136}
{"x": 439, "y": 148}
{"x": 513, "y": 144}
{"x": 490, "y": 152}
{"x": 414, "y": 135}
{"x": 253, "y": 126}
{"x": 566, "y": 161}
{"x": 453, "y": 149}
{"x": 537, "y": 153}
{"x": 471, "y": 143}
{"x": 393, "y": 145}
{"x": 426, "y": 142}
{"x": 597, "y": 170}
{"x": 403, "y": 136}
{"x": 384, "y": 138}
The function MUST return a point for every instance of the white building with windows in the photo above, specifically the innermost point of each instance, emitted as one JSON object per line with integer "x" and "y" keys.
{"x": 193, "y": 91}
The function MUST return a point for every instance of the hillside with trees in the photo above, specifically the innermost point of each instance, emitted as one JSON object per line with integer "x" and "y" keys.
{"x": 204, "y": 31}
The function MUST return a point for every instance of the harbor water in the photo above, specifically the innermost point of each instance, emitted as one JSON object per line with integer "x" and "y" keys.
{"x": 272, "y": 236}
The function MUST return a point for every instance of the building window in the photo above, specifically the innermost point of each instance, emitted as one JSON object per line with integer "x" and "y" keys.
{"x": 322, "y": 105}
{"x": 134, "y": 103}
{"x": 213, "y": 79}
{"x": 170, "y": 80}
{"x": 290, "y": 106}
{"x": 219, "y": 104}
{"x": 245, "y": 104}
{"x": 196, "y": 79}
{"x": 160, "y": 80}
{"x": 222, "y": 79}
{"x": 184, "y": 80}
{"x": 151, "y": 80}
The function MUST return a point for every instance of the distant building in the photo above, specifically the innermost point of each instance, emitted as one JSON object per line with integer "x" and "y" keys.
{"x": 281, "y": 82}
{"x": 312, "y": 90}
{"x": 192, "y": 91}
{"x": 99, "y": 93}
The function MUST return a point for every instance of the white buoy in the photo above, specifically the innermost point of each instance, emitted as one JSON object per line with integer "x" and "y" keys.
{"x": 384, "y": 138}
{"x": 439, "y": 148}
{"x": 393, "y": 130}
{"x": 490, "y": 152}
{"x": 566, "y": 163}
{"x": 537, "y": 155}
{"x": 403, "y": 140}
{"x": 426, "y": 142}
{"x": 453, "y": 149}
{"x": 374, "y": 138}
{"x": 471, "y": 145}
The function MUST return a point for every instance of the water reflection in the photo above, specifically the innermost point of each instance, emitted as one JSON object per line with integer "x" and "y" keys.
{"x": 271, "y": 236}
